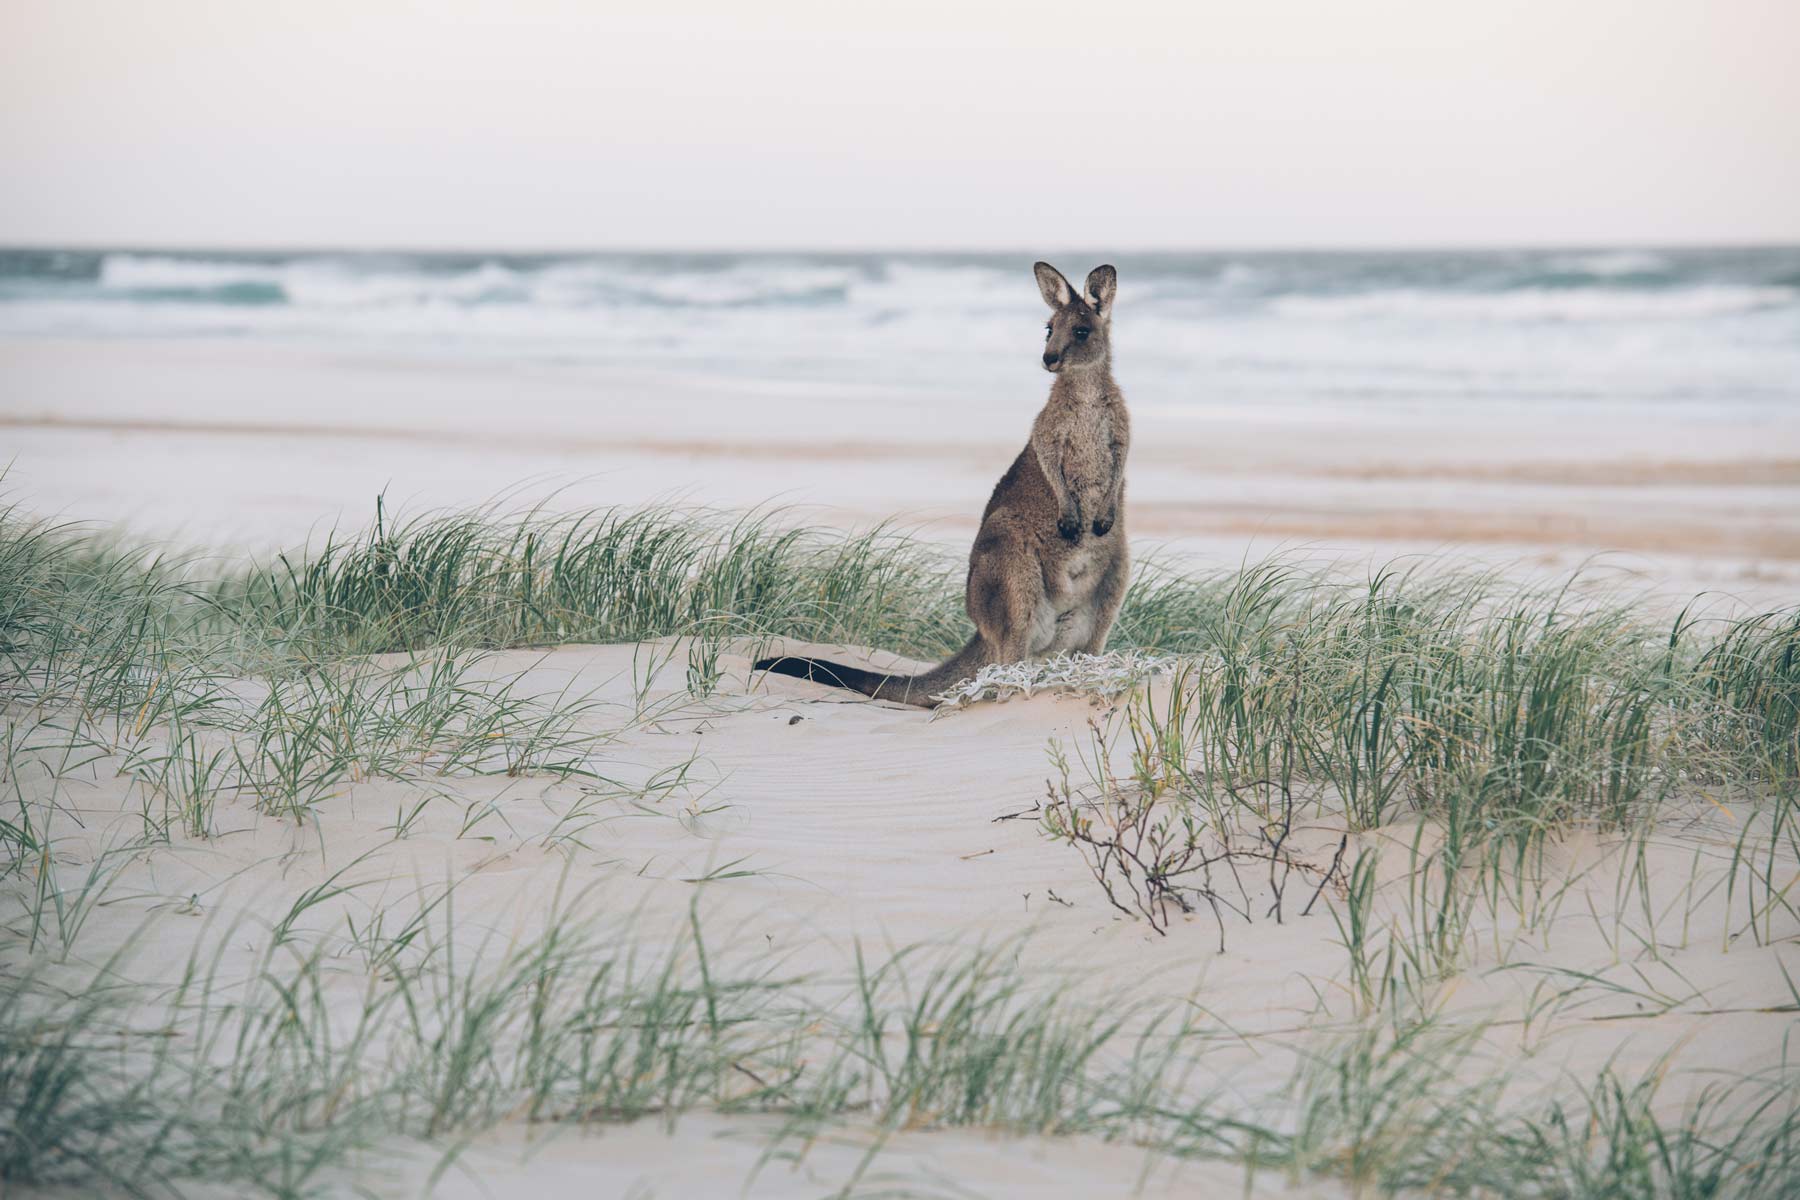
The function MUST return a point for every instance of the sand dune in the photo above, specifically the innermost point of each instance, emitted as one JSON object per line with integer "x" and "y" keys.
{"x": 829, "y": 823}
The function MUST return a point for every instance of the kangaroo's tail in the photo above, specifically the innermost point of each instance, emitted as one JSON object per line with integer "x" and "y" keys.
{"x": 905, "y": 689}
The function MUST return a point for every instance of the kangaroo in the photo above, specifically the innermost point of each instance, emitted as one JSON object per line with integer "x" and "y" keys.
{"x": 1049, "y": 566}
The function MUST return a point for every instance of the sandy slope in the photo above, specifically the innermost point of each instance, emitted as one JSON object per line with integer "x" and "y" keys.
{"x": 870, "y": 824}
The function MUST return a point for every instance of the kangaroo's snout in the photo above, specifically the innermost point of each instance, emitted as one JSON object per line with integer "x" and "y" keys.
{"x": 1051, "y": 358}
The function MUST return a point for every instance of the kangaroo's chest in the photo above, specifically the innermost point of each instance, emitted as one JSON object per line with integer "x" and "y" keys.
{"x": 1088, "y": 446}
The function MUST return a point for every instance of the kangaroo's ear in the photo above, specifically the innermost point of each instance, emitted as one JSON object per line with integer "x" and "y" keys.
{"x": 1055, "y": 288}
{"x": 1102, "y": 282}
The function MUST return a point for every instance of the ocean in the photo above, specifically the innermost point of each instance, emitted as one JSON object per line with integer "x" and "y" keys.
{"x": 1714, "y": 329}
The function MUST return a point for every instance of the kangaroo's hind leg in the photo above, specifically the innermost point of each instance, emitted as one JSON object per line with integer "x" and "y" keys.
{"x": 1109, "y": 595}
{"x": 1006, "y": 597}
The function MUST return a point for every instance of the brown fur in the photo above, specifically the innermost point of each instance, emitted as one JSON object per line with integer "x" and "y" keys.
{"x": 1049, "y": 565}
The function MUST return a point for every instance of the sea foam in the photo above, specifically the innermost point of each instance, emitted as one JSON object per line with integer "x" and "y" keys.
{"x": 1210, "y": 331}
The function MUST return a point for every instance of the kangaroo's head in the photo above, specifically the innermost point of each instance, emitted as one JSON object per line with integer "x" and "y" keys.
{"x": 1078, "y": 336}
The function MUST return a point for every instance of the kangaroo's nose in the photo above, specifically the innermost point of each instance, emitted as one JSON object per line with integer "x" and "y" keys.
{"x": 1051, "y": 358}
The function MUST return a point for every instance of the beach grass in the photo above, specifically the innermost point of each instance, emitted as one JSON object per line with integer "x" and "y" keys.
{"x": 273, "y": 1089}
{"x": 1496, "y": 718}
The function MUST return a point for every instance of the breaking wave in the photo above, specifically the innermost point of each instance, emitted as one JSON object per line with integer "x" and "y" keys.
{"x": 1237, "y": 328}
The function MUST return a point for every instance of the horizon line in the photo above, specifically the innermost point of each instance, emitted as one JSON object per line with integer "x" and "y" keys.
{"x": 174, "y": 247}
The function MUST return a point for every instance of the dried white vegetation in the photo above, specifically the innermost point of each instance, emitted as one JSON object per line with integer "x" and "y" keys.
{"x": 1101, "y": 676}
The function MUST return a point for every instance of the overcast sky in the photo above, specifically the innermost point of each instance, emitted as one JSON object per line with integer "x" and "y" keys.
{"x": 969, "y": 123}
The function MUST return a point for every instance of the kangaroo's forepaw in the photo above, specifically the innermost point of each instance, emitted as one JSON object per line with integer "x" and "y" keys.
{"x": 1070, "y": 528}
{"x": 1103, "y": 526}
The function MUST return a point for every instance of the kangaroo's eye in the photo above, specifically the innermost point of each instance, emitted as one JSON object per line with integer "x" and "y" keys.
{"x": 1046, "y": 333}
{"x": 1081, "y": 333}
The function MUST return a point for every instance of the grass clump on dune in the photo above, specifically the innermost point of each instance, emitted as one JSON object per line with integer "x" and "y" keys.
{"x": 1503, "y": 715}
{"x": 610, "y": 575}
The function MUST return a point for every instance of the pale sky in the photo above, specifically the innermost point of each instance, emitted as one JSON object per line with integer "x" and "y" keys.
{"x": 927, "y": 124}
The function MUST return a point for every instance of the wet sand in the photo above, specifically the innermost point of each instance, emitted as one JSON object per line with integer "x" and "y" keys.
{"x": 260, "y": 445}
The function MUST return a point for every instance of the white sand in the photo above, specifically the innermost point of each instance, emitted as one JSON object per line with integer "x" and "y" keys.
{"x": 877, "y": 825}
